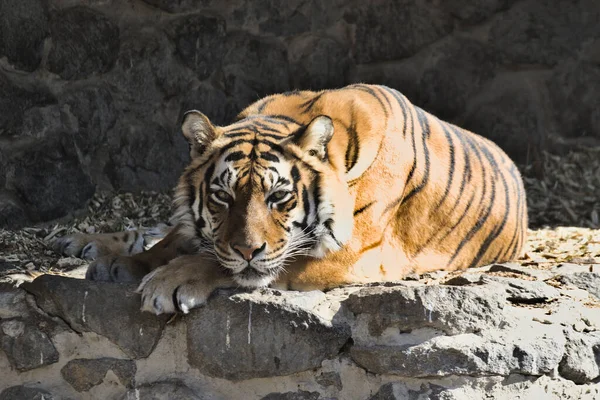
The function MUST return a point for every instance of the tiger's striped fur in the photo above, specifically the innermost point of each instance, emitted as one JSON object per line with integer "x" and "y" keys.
{"x": 395, "y": 191}
{"x": 312, "y": 190}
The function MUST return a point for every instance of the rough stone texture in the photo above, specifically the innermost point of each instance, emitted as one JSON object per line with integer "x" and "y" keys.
{"x": 409, "y": 308}
{"x": 163, "y": 391}
{"x": 589, "y": 281}
{"x": 84, "y": 374}
{"x": 524, "y": 73}
{"x": 582, "y": 357}
{"x": 25, "y": 345}
{"x": 84, "y": 42}
{"x": 23, "y": 27}
{"x": 394, "y": 341}
{"x": 301, "y": 395}
{"x": 83, "y": 304}
{"x": 258, "y": 338}
{"x": 23, "y": 392}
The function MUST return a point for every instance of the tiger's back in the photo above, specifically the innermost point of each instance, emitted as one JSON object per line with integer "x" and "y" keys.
{"x": 426, "y": 195}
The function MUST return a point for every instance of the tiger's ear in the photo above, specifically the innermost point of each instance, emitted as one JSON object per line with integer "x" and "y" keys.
{"x": 198, "y": 130}
{"x": 314, "y": 138}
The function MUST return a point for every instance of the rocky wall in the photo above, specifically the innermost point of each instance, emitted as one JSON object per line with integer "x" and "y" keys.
{"x": 503, "y": 331}
{"x": 92, "y": 91}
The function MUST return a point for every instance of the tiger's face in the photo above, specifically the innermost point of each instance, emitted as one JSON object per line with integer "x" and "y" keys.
{"x": 260, "y": 192}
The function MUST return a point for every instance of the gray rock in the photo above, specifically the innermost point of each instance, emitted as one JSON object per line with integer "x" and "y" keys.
{"x": 12, "y": 301}
{"x": 300, "y": 395}
{"x": 466, "y": 354}
{"x": 454, "y": 70}
{"x": 144, "y": 154}
{"x": 200, "y": 41}
{"x": 539, "y": 274}
{"x": 26, "y": 393}
{"x": 392, "y": 30}
{"x": 524, "y": 291}
{"x": 50, "y": 180}
{"x": 84, "y": 374}
{"x": 15, "y": 102}
{"x": 25, "y": 345}
{"x": 446, "y": 308}
{"x": 164, "y": 390}
{"x": 93, "y": 109}
{"x": 84, "y": 42}
{"x": 111, "y": 310}
{"x": 464, "y": 279}
{"x": 254, "y": 67}
{"x": 589, "y": 281}
{"x": 253, "y": 335}
{"x": 474, "y": 11}
{"x": 546, "y": 32}
{"x": 211, "y": 101}
{"x": 23, "y": 27}
{"x": 581, "y": 362}
{"x": 509, "y": 111}
{"x": 327, "y": 379}
{"x": 318, "y": 63}
{"x": 576, "y": 82}
{"x": 12, "y": 212}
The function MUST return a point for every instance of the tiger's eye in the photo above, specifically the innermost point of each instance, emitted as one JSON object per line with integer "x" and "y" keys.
{"x": 277, "y": 196}
{"x": 223, "y": 196}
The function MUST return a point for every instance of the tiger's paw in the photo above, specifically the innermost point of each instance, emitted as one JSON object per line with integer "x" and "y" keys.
{"x": 79, "y": 245}
{"x": 117, "y": 269}
{"x": 173, "y": 288}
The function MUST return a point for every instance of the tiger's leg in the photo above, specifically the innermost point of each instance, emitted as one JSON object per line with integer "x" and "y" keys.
{"x": 116, "y": 268}
{"x": 184, "y": 283}
{"x": 93, "y": 246}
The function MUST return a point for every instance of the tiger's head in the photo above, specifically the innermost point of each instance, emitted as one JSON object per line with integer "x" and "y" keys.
{"x": 262, "y": 191}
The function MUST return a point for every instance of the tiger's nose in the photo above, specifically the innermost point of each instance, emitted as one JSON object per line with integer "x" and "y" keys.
{"x": 248, "y": 252}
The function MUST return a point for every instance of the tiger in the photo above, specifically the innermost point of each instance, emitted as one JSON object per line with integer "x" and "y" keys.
{"x": 310, "y": 190}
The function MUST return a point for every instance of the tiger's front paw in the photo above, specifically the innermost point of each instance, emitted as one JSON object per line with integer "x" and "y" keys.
{"x": 78, "y": 245}
{"x": 117, "y": 269}
{"x": 179, "y": 286}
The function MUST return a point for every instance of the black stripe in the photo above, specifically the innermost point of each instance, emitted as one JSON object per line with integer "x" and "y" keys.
{"x": 363, "y": 208}
{"x": 451, "y": 166}
{"x": 264, "y": 104}
{"x": 269, "y": 157}
{"x": 425, "y": 134}
{"x": 367, "y": 89}
{"x": 497, "y": 229}
{"x": 403, "y": 107}
{"x": 484, "y": 212}
{"x": 309, "y": 104}
{"x": 353, "y": 146}
{"x": 295, "y": 173}
{"x": 135, "y": 238}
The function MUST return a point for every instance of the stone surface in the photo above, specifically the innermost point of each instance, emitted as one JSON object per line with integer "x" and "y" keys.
{"x": 25, "y": 345}
{"x": 25, "y": 393}
{"x": 50, "y": 181}
{"x": 301, "y": 345}
{"x": 395, "y": 30}
{"x": 466, "y": 354}
{"x": 523, "y": 291}
{"x": 448, "y": 309}
{"x": 83, "y": 306}
{"x": 84, "y": 374}
{"x": 589, "y": 281}
{"x": 84, "y": 42}
{"x": 581, "y": 362}
{"x": 23, "y": 27}
{"x": 257, "y": 339}
{"x": 300, "y": 395}
{"x": 200, "y": 41}
{"x": 254, "y": 67}
{"x": 166, "y": 390}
